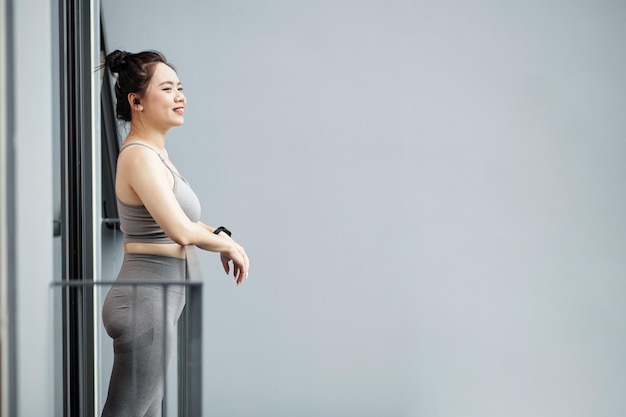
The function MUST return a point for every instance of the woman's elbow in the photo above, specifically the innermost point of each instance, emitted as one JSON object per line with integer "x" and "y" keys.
{"x": 181, "y": 235}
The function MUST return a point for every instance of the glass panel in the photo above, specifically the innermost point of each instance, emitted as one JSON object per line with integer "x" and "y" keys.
{"x": 148, "y": 342}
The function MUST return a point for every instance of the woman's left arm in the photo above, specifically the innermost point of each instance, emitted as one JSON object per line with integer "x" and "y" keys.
{"x": 212, "y": 229}
{"x": 224, "y": 259}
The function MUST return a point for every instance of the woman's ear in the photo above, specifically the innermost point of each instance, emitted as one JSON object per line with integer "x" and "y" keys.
{"x": 134, "y": 101}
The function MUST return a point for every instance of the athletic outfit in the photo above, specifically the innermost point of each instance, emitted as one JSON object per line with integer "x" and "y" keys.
{"x": 141, "y": 318}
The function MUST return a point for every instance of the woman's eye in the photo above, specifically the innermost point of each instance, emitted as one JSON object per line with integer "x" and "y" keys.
{"x": 167, "y": 89}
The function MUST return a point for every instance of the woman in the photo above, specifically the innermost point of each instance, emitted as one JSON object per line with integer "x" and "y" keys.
{"x": 159, "y": 215}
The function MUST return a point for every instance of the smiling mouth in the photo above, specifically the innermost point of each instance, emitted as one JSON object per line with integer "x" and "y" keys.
{"x": 180, "y": 110}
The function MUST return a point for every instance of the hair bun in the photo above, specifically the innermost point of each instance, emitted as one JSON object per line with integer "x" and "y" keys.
{"x": 116, "y": 60}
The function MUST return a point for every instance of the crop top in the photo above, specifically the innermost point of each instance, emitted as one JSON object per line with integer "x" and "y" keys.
{"x": 137, "y": 223}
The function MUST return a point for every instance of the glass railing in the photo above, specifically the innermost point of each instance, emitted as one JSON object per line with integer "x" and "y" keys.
{"x": 182, "y": 386}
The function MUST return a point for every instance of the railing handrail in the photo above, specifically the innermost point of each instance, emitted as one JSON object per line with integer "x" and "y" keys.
{"x": 165, "y": 283}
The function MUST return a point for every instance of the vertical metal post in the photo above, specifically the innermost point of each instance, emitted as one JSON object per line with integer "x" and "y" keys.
{"x": 8, "y": 394}
{"x": 165, "y": 348}
{"x": 77, "y": 218}
{"x": 190, "y": 343}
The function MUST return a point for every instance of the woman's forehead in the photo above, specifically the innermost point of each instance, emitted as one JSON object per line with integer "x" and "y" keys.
{"x": 163, "y": 73}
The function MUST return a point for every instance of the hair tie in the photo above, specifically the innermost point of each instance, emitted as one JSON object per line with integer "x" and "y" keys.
{"x": 122, "y": 59}
{"x": 119, "y": 61}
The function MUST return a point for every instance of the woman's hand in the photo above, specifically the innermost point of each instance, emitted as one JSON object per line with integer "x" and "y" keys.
{"x": 237, "y": 255}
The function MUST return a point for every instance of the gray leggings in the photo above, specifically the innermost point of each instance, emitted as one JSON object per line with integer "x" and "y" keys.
{"x": 141, "y": 321}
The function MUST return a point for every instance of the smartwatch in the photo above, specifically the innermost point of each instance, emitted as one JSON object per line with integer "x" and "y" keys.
{"x": 222, "y": 229}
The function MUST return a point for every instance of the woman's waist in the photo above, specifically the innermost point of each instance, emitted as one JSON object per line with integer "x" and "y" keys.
{"x": 173, "y": 250}
{"x": 144, "y": 268}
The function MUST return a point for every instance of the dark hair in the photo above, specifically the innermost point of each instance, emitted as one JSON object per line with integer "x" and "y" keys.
{"x": 134, "y": 72}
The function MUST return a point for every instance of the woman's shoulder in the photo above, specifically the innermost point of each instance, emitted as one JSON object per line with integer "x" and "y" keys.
{"x": 138, "y": 159}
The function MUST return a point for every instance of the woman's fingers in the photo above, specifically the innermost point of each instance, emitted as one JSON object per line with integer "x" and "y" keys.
{"x": 240, "y": 261}
{"x": 246, "y": 261}
{"x": 225, "y": 264}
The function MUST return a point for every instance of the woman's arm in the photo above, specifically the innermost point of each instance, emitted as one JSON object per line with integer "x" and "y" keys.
{"x": 142, "y": 175}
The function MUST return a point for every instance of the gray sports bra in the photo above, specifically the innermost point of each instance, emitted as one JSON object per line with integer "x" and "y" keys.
{"x": 136, "y": 222}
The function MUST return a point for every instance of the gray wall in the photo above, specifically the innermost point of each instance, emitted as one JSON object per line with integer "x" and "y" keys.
{"x": 431, "y": 194}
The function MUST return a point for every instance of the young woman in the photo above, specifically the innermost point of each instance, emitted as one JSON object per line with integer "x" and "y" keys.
{"x": 159, "y": 215}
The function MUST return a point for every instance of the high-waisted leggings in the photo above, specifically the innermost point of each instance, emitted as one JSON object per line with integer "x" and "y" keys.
{"x": 141, "y": 321}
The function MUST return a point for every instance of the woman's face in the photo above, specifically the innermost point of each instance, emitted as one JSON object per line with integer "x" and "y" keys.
{"x": 163, "y": 104}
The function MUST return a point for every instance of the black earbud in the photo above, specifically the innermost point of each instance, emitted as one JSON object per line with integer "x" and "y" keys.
{"x": 137, "y": 101}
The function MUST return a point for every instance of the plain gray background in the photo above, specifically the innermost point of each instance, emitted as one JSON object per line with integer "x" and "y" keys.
{"x": 431, "y": 195}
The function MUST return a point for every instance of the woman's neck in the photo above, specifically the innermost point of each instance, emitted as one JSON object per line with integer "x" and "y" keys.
{"x": 153, "y": 138}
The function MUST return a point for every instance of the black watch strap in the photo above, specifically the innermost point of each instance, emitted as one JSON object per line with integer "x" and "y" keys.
{"x": 222, "y": 229}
